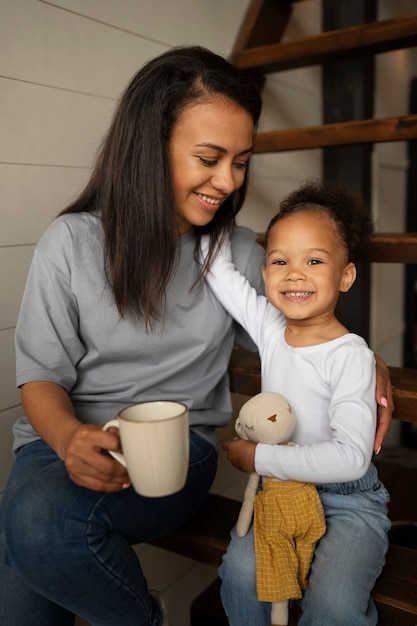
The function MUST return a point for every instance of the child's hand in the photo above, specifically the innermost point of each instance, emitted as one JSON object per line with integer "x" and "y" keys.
{"x": 241, "y": 454}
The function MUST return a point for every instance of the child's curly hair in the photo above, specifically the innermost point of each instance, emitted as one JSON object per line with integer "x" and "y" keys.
{"x": 353, "y": 221}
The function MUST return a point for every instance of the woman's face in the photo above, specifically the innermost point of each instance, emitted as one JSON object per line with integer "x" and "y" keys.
{"x": 208, "y": 150}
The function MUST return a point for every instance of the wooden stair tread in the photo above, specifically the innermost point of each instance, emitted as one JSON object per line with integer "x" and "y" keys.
{"x": 245, "y": 378}
{"x": 397, "y": 587}
{"x": 402, "y": 128}
{"x": 356, "y": 41}
{"x": 206, "y": 535}
{"x": 391, "y": 248}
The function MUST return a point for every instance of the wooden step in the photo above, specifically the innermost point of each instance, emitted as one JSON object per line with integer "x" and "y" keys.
{"x": 402, "y": 128}
{"x": 347, "y": 43}
{"x": 245, "y": 378}
{"x": 391, "y": 248}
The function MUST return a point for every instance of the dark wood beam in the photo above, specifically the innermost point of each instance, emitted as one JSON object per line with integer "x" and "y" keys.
{"x": 401, "y": 128}
{"x": 348, "y": 96}
{"x": 345, "y": 43}
{"x": 264, "y": 23}
{"x": 391, "y": 248}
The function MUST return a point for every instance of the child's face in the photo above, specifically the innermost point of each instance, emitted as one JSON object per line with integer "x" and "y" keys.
{"x": 306, "y": 266}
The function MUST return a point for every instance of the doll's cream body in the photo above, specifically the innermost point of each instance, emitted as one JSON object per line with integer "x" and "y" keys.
{"x": 288, "y": 515}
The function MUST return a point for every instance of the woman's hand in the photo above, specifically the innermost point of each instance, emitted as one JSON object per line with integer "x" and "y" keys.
{"x": 241, "y": 454}
{"x": 86, "y": 464}
{"x": 385, "y": 402}
{"x": 50, "y": 411}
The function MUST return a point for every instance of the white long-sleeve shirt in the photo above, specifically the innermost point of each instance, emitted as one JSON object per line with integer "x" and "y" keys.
{"x": 331, "y": 387}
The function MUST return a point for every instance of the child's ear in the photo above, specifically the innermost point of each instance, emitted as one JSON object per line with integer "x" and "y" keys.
{"x": 348, "y": 277}
{"x": 264, "y": 272}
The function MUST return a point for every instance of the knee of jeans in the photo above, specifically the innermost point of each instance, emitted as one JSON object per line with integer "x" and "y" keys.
{"x": 238, "y": 566}
{"x": 327, "y": 604}
{"x": 325, "y": 608}
{"x": 27, "y": 526}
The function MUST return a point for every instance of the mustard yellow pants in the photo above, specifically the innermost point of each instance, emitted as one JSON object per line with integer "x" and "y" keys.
{"x": 288, "y": 522}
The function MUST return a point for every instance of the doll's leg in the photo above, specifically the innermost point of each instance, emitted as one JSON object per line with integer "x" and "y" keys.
{"x": 238, "y": 590}
{"x": 349, "y": 557}
{"x": 279, "y": 613}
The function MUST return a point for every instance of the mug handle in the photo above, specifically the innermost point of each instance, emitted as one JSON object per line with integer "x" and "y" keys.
{"x": 117, "y": 455}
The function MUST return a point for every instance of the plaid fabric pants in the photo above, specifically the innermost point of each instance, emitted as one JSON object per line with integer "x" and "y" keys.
{"x": 288, "y": 522}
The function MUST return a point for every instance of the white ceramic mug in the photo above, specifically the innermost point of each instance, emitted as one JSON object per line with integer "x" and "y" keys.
{"x": 155, "y": 441}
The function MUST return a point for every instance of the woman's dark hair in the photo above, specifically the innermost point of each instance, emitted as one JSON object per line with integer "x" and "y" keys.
{"x": 131, "y": 187}
{"x": 353, "y": 220}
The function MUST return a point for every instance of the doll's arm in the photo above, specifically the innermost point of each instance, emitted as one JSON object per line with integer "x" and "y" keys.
{"x": 246, "y": 512}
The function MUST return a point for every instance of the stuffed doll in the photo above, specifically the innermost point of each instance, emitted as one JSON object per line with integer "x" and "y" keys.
{"x": 288, "y": 515}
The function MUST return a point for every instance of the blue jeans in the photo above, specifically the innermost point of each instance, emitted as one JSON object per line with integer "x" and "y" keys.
{"x": 66, "y": 550}
{"x": 347, "y": 561}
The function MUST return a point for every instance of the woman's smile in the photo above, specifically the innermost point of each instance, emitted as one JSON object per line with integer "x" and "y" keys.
{"x": 209, "y": 149}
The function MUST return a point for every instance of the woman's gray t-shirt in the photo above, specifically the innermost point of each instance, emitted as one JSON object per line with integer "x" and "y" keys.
{"x": 70, "y": 332}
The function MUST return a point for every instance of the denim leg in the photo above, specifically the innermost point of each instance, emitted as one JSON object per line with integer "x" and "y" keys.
{"x": 73, "y": 546}
{"x": 238, "y": 589}
{"x": 348, "y": 559}
{"x": 19, "y": 604}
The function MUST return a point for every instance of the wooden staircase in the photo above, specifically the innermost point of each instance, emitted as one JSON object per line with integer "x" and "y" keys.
{"x": 258, "y": 51}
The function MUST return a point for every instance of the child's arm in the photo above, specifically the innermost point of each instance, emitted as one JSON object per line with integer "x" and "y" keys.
{"x": 335, "y": 437}
{"x": 233, "y": 290}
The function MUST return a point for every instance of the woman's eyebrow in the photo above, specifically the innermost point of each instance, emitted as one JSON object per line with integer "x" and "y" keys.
{"x": 213, "y": 146}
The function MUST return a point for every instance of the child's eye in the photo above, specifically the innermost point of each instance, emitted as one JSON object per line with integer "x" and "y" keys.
{"x": 278, "y": 262}
{"x": 314, "y": 262}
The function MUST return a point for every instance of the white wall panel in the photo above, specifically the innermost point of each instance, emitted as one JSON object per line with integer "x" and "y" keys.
{"x": 7, "y": 419}
{"x": 49, "y": 126}
{"x": 213, "y": 24}
{"x": 287, "y": 107}
{"x": 293, "y": 166}
{"x": 9, "y": 395}
{"x": 265, "y": 193}
{"x": 46, "y": 45}
{"x": 14, "y": 265}
{"x": 31, "y": 196}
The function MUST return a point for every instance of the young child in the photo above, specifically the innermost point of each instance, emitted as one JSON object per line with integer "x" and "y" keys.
{"x": 328, "y": 376}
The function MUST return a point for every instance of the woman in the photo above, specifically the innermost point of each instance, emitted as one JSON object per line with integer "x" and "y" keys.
{"x": 115, "y": 312}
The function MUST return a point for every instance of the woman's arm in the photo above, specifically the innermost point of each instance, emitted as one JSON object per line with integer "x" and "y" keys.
{"x": 51, "y": 414}
{"x": 385, "y": 402}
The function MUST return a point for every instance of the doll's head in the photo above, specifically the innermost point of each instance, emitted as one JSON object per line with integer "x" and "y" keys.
{"x": 266, "y": 418}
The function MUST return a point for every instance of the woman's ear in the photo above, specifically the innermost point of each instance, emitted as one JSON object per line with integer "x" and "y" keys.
{"x": 348, "y": 277}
